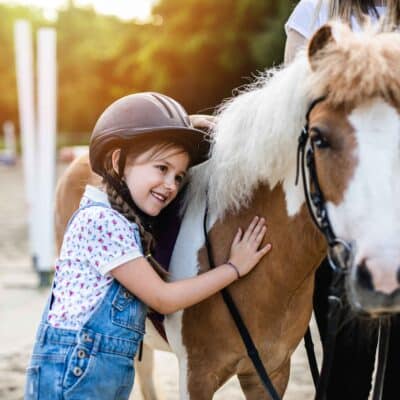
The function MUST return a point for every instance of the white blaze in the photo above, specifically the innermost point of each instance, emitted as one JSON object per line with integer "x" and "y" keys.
{"x": 369, "y": 214}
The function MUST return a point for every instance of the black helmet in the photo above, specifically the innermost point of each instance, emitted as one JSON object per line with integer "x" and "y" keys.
{"x": 141, "y": 115}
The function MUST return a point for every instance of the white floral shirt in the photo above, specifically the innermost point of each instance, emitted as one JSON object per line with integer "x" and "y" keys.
{"x": 97, "y": 240}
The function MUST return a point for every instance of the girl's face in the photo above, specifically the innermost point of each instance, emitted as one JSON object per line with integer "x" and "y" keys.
{"x": 154, "y": 180}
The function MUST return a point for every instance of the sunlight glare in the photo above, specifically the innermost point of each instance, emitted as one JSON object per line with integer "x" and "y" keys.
{"x": 124, "y": 9}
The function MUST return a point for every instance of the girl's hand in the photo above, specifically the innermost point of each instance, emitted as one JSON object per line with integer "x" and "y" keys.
{"x": 245, "y": 250}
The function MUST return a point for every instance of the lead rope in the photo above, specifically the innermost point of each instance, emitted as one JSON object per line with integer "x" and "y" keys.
{"x": 240, "y": 325}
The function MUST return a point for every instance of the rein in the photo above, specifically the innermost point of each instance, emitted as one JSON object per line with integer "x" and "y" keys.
{"x": 340, "y": 258}
{"x": 240, "y": 325}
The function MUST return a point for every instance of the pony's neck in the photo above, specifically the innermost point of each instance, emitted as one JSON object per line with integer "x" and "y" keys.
{"x": 297, "y": 245}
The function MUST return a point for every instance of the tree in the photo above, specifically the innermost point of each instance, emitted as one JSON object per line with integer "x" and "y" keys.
{"x": 196, "y": 51}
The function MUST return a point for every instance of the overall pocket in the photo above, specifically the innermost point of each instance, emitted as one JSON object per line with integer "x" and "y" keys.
{"x": 107, "y": 377}
{"x": 128, "y": 311}
{"x": 79, "y": 364}
{"x": 32, "y": 383}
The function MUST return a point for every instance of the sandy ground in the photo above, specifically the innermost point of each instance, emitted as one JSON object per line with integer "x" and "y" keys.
{"x": 21, "y": 304}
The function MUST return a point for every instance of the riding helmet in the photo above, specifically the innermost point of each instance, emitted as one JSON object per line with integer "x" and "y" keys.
{"x": 138, "y": 116}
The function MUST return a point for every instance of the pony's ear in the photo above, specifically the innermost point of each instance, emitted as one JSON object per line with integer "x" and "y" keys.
{"x": 321, "y": 38}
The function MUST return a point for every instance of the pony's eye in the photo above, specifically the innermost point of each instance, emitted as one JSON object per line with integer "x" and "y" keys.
{"x": 318, "y": 139}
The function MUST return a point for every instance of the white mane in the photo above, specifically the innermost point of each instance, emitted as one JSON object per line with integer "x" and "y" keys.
{"x": 255, "y": 139}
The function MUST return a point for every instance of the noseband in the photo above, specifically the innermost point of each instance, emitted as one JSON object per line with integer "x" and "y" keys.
{"x": 340, "y": 257}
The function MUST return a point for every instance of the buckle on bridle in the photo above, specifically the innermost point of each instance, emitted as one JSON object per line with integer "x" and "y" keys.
{"x": 340, "y": 255}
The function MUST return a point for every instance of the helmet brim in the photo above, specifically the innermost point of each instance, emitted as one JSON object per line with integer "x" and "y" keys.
{"x": 196, "y": 142}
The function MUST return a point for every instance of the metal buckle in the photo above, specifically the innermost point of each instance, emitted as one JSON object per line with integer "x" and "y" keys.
{"x": 340, "y": 255}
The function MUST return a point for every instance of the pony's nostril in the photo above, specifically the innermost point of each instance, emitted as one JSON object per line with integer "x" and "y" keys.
{"x": 364, "y": 277}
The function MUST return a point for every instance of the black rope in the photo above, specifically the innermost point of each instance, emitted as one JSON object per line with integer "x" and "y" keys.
{"x": 312, "y": 359}
{"x": 335, "y": 305}
{"x": 240, "y": 325}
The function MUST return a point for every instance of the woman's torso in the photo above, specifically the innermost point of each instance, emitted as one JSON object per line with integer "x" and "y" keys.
{"x": 307, "y": 17}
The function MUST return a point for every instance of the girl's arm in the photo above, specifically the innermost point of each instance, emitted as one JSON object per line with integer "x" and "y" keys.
{"x": 294, "y": 42}
{"x": 166, "y": 297}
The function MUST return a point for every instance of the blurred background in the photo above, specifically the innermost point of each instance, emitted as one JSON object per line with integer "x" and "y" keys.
{"x": 196, "y": 51}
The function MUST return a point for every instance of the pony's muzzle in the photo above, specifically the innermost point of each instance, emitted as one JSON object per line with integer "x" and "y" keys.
{"x": 374, "y": 286}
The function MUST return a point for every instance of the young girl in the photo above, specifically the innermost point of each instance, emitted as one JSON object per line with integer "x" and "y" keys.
{"x": 353, "y": 363}
{"x": 142, "y": 146}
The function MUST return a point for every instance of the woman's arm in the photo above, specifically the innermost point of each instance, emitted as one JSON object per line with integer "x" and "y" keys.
{"x": 294, "y": 42}
{"x": 203, "y": 121}
{"x": 166, "y": 297}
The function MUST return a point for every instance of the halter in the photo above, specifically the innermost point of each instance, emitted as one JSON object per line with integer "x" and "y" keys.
{"x": 340, "y": 257}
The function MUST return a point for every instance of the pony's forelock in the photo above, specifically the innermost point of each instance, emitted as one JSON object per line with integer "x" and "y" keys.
{"x": 358, "y": 66}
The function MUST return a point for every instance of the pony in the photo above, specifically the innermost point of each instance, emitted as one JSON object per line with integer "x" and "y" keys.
{"x": 355, "y": 133}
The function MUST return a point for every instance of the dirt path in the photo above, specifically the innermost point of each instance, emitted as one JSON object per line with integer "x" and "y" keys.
{"x": 21, "y": 304}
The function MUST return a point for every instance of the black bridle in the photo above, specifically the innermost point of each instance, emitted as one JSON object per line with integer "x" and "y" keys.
{"x": 340, "y": 259}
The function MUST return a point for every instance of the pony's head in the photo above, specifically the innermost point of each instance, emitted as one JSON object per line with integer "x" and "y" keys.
{"x": 355, "y": 133}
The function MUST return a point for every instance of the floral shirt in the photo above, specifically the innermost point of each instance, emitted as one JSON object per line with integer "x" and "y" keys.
{"x": 97, "y": 240}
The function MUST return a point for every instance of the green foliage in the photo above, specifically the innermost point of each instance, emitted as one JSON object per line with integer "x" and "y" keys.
{"x": 197, "y": 52}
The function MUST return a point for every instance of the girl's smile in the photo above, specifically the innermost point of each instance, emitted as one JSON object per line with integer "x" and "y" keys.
{"x": 155, "y": 181}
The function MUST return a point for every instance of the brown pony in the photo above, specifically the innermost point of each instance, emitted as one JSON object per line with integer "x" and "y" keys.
{"x": 355, "y": 132}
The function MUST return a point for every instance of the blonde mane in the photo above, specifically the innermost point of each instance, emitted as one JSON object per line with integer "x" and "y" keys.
{"x": 255, "y": 139}
{"x": 358, "y": 66}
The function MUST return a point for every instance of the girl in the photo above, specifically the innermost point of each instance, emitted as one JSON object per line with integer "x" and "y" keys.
{"x": 142, "y": 146}
{"x": 353, "y": 363}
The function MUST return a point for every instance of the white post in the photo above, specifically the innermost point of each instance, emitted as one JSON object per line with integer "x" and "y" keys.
{"x": 10, "y": 146}
{"x": 24, "y": 71}
{"x": 46, "y": 65}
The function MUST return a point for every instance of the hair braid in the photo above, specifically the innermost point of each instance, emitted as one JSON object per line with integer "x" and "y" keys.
{"x": 148, "y": 242}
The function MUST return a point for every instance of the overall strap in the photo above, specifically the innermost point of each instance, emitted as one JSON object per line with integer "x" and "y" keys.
{"x": 50, "y": 298}
{"x": 91, "y": 204}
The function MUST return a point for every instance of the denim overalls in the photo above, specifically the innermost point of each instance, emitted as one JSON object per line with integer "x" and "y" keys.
{"x": 95, "y": 362}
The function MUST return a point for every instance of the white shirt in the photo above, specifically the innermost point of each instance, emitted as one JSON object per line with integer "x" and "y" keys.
{"x": 97, "y": 240}
{"x": 305, "y": 21}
